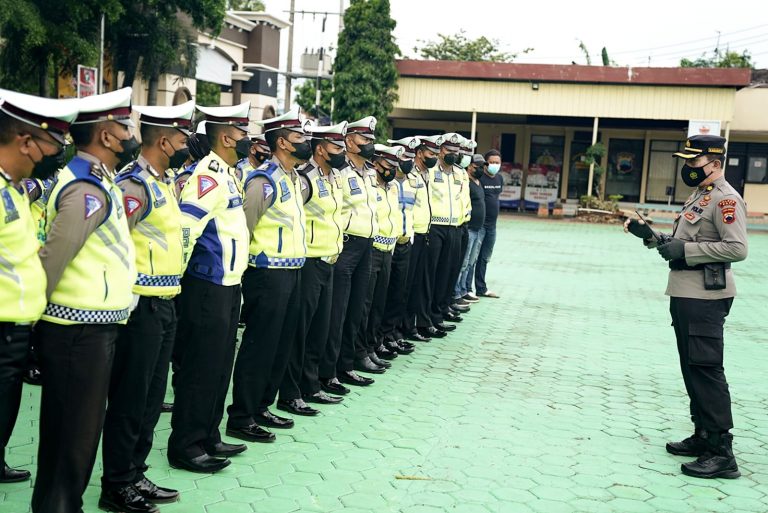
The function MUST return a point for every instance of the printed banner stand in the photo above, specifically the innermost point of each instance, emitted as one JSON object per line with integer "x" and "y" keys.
{"x": 512, "y": 187}
{"x": 542, "y": 186}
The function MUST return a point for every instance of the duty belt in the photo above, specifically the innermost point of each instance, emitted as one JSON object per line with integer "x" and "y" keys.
{"x": 680, "y": 265}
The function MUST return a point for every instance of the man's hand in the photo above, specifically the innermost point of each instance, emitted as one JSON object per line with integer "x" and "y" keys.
{"x": 638, "y": 228}
{"x": 674, "y": 249}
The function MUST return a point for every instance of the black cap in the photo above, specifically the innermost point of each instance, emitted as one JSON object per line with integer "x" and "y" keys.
{"x": 698, "y": 145}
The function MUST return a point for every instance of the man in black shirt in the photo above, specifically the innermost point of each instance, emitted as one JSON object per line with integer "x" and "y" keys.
{"x": 492, "y": 183}
{"x": 475, "y": 226}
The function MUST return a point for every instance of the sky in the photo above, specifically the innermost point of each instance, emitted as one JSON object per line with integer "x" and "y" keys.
{"x": 652, "y": 33}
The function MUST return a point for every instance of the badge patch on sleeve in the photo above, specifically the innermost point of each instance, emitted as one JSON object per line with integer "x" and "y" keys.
{"x": 205, "y": 184}
{"x": 268, "y": 190}
{"x": 727, "y": 203}
{"x": 729, "y": 214}
{"x": 92, "y": 205}
{"x": 132, "y": 205}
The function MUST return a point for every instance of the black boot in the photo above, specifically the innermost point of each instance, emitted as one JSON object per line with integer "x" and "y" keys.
{"x": 694, "y": 445}
{"x": 718, "y": 461}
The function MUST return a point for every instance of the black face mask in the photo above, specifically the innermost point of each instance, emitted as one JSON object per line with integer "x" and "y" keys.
{"x": 366, "y": 150}
{"x": 451, "y": 158}
{"x": 430, "y": 162}
{"x": 198, "y": 146}
{"x": 128, "y": 154}
{"x": 302, "y": 151}
{"x": 693, "y": 176}
{"x": 337, "y": 160}
{"x": 261, "y": 157}
{"x": 478, "y": 172}
{"x": 387, "y": 174}
{"x": 406, "y": 166}
{"x": 243, "y": 147}
{"x": 178, "y": 158}
{"x": 48, "y": 166}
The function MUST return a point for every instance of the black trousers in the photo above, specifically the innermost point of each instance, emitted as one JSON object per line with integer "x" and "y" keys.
{"x": 311, "y": 335}
{"x": 698, "y": 327}
{"x": 418, "y": 286}
{"x": 207, "y": 331}
{"x": 443, "y": 244}
{"x": 14, "y": 355}
{"x": 270, "y": 310}
{"x": 137, "y": 390}
{"x": 351, "y": 274}
{"x": 366, "y": 341}
{"x": 75, "y": 362}
{"x": 395, "y": 304}
{"x": 463, "y": 241}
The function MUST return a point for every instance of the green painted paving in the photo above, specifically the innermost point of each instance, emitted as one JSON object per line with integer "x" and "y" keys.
{"x": 558, "y": 397}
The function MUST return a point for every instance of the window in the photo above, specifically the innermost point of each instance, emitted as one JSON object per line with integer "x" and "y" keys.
{"x": 757, "y": 171}
{"x": 662, "y": 173}
{"x": 625, "y": 168}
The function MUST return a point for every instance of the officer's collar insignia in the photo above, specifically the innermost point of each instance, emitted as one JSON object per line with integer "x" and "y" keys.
{"x": 205, "y": 184}
{"x": 92, "y": 205}
{"x": 131, "y": 205}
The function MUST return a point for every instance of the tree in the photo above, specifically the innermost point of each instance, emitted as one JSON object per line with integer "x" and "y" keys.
{"x": 208, "y": 94}
{"x": 245, "y": 5}
{"x": 154, "y": 37}
{"x": 306, "y": 95}
{"x": 718, "y": 59}
{"x": 365, "y": 75}
{"x": 458, "y": 47}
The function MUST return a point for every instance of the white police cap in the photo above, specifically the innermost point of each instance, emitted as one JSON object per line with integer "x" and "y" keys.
{"x": 53, "y": 116}
{"x": 365, "y": 127}
{"x": 431, "y": 142}
{"x": 409, "y": 145}
{"x": 334, "y": 133}
{"x": 392, "y": 154}
{"x": 113, "y": 106}
{"x": 175, "y": 116}
{"x": 291, "y": 120}
{"x": 235, "y": 115}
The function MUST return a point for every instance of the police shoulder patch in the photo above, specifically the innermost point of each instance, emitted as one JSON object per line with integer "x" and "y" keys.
{"x": 132, "y": 204}
{"x": 205, "y": 184}
{"x": 268, "y": 190}
{"x": 92, "y": 205}
{"x": 727, "y": 203}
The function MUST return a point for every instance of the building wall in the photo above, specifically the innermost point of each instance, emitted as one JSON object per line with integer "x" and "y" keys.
{"x": 561, "y": 99}
{"x": 751, "y": 110}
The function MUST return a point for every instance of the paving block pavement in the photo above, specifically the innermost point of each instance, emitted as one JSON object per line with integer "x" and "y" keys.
{"x": 558, "y": 397}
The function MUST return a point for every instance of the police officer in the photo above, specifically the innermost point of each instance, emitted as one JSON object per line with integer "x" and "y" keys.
{"x": 708, "y": 235}
{"x": 89, "y": 262}
{"x": 31, "y": 144}
{"x": 143, "y": 348}
{"x": 353, "y": 268}
{"x": 324, "y": 238}
{"x": 215, "y": 244}
{"x": 407, "y": 183}
{"x": 390, "y": 221}
{"x": 274, "y": 211}
{"x": 417, "y": 324}
{"x": 444, "y": 237}
{"x": 199, "y": 148}
{"x": 258, "y": 153}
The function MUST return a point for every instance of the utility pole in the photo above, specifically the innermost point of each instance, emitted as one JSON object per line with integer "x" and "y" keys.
{"x": 100, "y": 84}
{"x": 288, "y": 79}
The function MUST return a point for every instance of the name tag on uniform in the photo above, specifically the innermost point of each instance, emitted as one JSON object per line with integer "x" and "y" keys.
{"x": 235, "y": 201}
{"x": 354, "y": 186}
{"x": 159, "y": 197}
{"x": 438, "y": 176}
{"x": 11, "y": 214}
{"x": 322, "y": 190}
{"x": 285, "y": 192}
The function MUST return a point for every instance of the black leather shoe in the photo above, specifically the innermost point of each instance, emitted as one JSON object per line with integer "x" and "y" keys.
{"x": 445, "y": 327}
{"x": 203, "y": 464}
{"x": 417, "y": 336}
{"x": 32, "y": 376}
{"x": 378, "y": 361}
{"x": 333, "y": 386}
{"x": 385, "y": 351}
{"x": 366, "y": 365}
{"x": 125, "y": 500}
{"x": 225, "y": 450}
{"x": 269, "y": 419}
{"x": 166, "y": 408}
{"x": 252, "y": 433}
{"x": 694, "y": 445}
{"x": 12, "y": 475}
{"x": 404, "y": 347}
{"x": 297, "y": 407}
{"x": 156, "y": 494}
{"x": 432, "y": 332}
{"x": 353, "y": 378}
{"x": 452, "y": 317}
{"x": 323, "y": 398}
{"x": 718, "y": 461}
